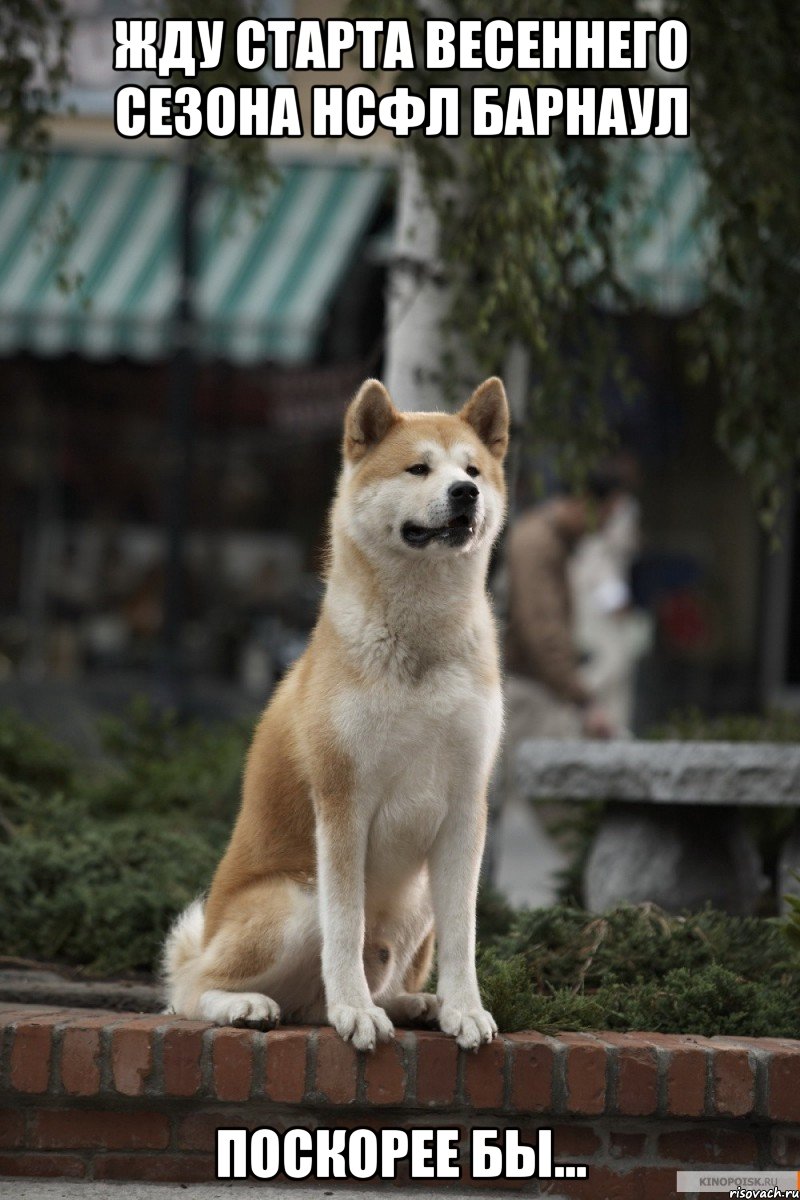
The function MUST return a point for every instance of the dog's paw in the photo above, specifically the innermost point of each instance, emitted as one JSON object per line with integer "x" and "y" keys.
{"x": 250, "y": 1009}
{"x": 413, "y": 1006}
{"x": 469, "y": 1026}
{"x": 364, "y": 1027}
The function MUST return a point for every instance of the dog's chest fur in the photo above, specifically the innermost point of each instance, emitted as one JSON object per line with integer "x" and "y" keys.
{"x": 417, "y": 738}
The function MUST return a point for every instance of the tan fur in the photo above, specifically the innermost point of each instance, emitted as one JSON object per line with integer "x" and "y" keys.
{"x": 418, "y": 973}
{"x": 304, "y": 770}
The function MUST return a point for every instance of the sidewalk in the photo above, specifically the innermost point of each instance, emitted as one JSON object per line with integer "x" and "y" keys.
{"x": 60, "y": 1189}
{"x": 527, "y": 857}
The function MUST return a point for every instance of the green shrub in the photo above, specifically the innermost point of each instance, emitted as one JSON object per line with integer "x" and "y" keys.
{"x": 637, "y": 968}
{"x": 567, "y": 947}
{"x": 710, "y": 1002}
{"x": 30, "y": 756}
{"x": 692, "y": 725}
{"x": 160, "y": 765}
{"x": 100, "y": 894}
{"x": 95, "y": 863}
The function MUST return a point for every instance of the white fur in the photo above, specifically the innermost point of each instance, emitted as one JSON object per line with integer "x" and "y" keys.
{"x": 239, "y": 1008}
{"x": 185, "y": 941}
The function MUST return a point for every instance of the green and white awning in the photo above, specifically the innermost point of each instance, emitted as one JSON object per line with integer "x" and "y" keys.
{"x": 89, "y": 258}
{"x": 662, "y": 243}
{"x": 89, "y": 252}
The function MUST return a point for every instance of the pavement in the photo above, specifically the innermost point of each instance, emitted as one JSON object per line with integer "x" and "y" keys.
{"x": 62, "y": 1189}
{"x": 527, "y": 859}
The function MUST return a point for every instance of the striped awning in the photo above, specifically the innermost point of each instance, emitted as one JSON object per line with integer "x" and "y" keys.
{"x": 662, "y": 243}
{"x": 89, "y": 253}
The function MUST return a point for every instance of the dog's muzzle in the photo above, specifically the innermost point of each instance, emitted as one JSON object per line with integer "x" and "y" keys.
{"x": 462, "y": 498}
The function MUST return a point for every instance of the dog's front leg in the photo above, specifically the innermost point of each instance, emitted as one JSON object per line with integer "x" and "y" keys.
{"x": 341, "y": 857}
{"x": 454, "y": 866}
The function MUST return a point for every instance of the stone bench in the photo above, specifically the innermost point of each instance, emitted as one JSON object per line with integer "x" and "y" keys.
{"x": 672, "y": 831}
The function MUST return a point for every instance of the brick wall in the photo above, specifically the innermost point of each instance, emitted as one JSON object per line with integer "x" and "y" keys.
{"x": 118, "y": 1096}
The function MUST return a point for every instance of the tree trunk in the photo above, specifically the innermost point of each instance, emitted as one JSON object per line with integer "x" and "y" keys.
{"x": 418, "y": 298}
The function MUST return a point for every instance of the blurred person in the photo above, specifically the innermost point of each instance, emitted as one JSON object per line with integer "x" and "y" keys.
{"x": 611, "y": 634}
{"x": 547, "y": 695}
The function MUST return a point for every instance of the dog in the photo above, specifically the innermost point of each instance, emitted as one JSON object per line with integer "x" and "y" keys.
{"x": 363, "y": 812}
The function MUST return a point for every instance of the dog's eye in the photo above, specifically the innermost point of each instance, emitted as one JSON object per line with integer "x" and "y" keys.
{"x": 472, "y": 471}
{"x": 419, "y": 469}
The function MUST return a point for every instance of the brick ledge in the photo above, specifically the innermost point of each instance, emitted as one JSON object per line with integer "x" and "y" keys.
{"x": 122, "y": 1095}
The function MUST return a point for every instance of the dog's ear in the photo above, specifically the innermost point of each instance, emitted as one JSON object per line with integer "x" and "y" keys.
{"x": 487, "y": 412}
{"x": 369, "y": 418}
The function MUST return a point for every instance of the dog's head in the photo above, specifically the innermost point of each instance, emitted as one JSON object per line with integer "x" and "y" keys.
{"x": 427, "y": 484}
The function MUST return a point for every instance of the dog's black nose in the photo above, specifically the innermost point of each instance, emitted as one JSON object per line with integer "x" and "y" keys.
{"x": 462, "y": 494}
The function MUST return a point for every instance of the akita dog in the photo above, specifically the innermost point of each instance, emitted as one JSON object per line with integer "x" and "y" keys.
{"x": 364, "y": 799}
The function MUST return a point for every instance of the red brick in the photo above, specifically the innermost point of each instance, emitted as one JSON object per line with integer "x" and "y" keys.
{"x": 41, "y": 1166}
{"x": 484, "y": 1081}
{"x": 574, "y": 1141}
{"x": 532, "y": 1059}
{"x": 161, "y": 1168}
{"x": 626, "y": 1145}
{"x": 385, "y": 1073}
{"x": 337, "y": 1067}
{"x": 132, "y": 1058}
{"x": 771, "y": 1044}
{"x": 437, "y": 1064}
{"x": 658, "y": 1183}
{"x": 11, "y": 1013}
{"x": 91, "y": 1019}
{"x": 750, "y": 1043}
{"x": 80, "y": 1061}
{"x": 78, "y": 1129}
{"x": 642, "y": 1183}
{"x": 232, "y": 1063}
{"x": 198, "y": 1130}
{"x": 31, "y": 1054}
{"x": 585, "y": 1074}
{"x": 182, "y": 1049}
{"x": 734, "y": 1083}
{"x": 12, "y": 1128}
{"x": 687, "y": 1071}
{"x": 785, "y": 1148}
{"x": 637, "y": 1074}
{"x": 784, "y": 1085}
{"x": 707, "y": 1147}
{"x": 285, "y": 1079}
{"x": 601, "y": 1182}
{"x": 503, "y": 1184}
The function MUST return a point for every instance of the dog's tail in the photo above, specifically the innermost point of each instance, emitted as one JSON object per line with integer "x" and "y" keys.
{"x": 182, "y": 950}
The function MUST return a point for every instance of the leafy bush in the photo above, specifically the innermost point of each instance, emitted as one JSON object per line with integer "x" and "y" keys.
{"x": 567, "y": 947}
{"x": 691, "y": 725}
{"x": 95, "y": 863}
{"x": 637, "y": 968}
{"x": 99, "y": 895}
{"x": 159, "y": 765}
{"x": 30, "y": 756}
{"x": 792, "y": 923}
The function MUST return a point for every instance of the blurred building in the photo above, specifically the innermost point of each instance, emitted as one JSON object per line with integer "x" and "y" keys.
{"x": 287, "y": 317}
